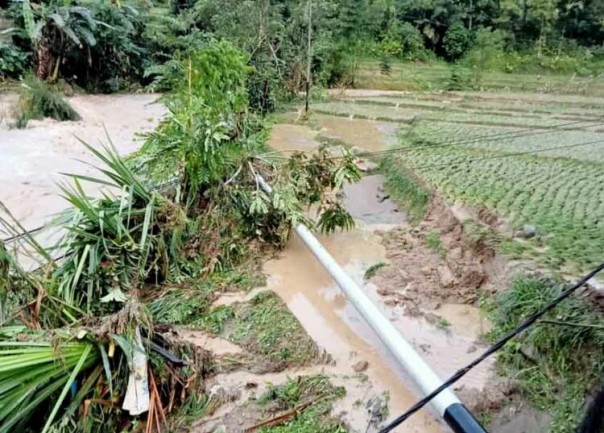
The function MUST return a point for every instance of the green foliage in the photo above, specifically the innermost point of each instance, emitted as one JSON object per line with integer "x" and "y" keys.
{"x": 405, "y": 190}
{"x": 265, "y": 327}
{"x": 13, "y": 61}
{"x": 31, "y": 375}
{"x": 483, "y": 55}
{"x": 117, "y": 56}
{"x": 207, "y": 118}
{"x": 373, "y": 270}
{"x": 435, "y": 243}
{"x": 38, "y": 100}
{"x": 107, "y": 46}
{"x": 413, "y": 42}
{"x": 115, "y": 244}
{"x": 460, "y": 78}
{"x": 544, "y": 359}
{"x": 456, "y": 41}
{"x": 316, "y": 390}
{"x": 385, "y": 65}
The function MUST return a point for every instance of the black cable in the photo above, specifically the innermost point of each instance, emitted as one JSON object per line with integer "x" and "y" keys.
{"x": 20, "y": 235}
{"x": 494, "y": 348}
{"x": 158, "y": 187}
{"x": 521, "y": 133}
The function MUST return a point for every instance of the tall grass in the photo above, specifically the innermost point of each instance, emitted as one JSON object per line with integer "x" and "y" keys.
{"x": 39, "y": 100}
{"x": 559, "y": 361}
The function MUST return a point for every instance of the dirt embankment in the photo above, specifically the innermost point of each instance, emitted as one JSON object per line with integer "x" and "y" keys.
{"x": 445, "y": 259}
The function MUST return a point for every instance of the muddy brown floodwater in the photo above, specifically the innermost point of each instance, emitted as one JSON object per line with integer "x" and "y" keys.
{"x": 33, "y": 158}
{"x": 335, "y": 325}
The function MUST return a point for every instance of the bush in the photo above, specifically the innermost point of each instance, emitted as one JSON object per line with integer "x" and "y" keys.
{"x": 413, "y": 43}
{"x": 486, "y": 53}
{"x": 456, "y": 41}
{"x": 39, "y": 100}
{"x": 13, "y": 61}
{"x": 460, "y": 78}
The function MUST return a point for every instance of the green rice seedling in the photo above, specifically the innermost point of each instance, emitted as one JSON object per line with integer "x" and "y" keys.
{"x": 405, "y": 189}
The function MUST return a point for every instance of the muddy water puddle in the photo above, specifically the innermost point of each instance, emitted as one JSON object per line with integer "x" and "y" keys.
{"x": 336, "y": 326}
{"x": 366, "y": 135}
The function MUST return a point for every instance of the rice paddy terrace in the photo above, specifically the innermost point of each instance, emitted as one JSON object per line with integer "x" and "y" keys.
{"x": 522, "y": 159}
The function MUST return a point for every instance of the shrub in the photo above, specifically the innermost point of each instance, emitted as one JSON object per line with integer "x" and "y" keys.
{"x": 413, "y": 43}
{"x": 13, "y": 61}
{"x": 39, "y": 100}
{"x": 456, "y": 41}
{"x": 460, "y": 78}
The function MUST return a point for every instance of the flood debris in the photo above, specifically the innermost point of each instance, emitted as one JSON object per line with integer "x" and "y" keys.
{"x": 77, "y": 341}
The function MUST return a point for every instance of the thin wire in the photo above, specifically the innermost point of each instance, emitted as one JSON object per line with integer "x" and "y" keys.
{"x": 506, "y": 155}
{"x": 158, "y": 187}
{"x": 492, "y": 137}
{"x": 20, "y": 235}
{"x": 498, "y": 137}
{"x": 494, "y": 348}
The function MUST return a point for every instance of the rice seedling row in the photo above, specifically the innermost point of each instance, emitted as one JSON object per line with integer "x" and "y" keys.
{"x": 564, "y": 199}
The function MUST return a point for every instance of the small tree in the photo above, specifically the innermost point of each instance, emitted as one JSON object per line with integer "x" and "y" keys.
{"x": 456, "y": 41}
{"x": 484, "y": 55}
{"x": 53, "y": 30}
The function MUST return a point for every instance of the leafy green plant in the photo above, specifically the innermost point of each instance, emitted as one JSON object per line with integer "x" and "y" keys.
{"x": 373, "y": 270}
{"x": 32, "y": 374}
{"x": 460, "y": 78}
{"x": 314, "y": 391}
{"x": 117, "y": 243}
{"x": 13, "y": 61}
{"x": 405, "y": 190}
{"x": 39, "y": 100}
{"x": 435, "y": 243}
{"x": 484, "y": 54}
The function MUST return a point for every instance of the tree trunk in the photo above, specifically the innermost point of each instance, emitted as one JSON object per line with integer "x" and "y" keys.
{"x": 43, "y": 62}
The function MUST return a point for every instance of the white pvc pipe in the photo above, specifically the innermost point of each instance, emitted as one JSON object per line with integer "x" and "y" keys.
{"x": 421, "y": 373}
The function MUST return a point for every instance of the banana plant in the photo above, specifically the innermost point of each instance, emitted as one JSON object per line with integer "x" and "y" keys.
{"x": 55, "y": 28}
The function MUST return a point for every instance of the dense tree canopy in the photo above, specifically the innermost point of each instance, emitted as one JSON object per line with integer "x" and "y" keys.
{"x": 105, "y": 46}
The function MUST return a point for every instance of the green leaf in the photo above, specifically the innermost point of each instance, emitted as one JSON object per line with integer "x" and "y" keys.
{"x": 63, "y": 394}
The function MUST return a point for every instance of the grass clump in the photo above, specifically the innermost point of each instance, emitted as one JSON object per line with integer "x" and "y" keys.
{"x": 557, "y": 362}
{"x": 265, "y": 327}
{"x": 314, "y": 396}
{"x": 39, "y": 100}
{"x": 435, "y": 243}
{"x": 405, "y": 190}
{"x": 373, "y": 270}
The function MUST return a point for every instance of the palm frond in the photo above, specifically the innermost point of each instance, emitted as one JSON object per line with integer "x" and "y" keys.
{"x": 32, "y": 371}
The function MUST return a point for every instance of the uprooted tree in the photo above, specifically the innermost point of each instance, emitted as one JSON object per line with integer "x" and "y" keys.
{"x": 78, "y": 347}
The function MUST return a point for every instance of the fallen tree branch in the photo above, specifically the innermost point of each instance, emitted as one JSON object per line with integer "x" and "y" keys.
{"x": 280, "y": 419}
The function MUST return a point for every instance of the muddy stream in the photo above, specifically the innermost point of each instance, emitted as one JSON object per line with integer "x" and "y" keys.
{"x": 332, "y": 321}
